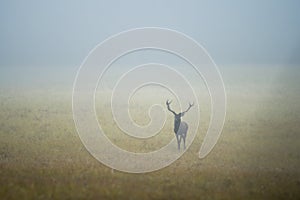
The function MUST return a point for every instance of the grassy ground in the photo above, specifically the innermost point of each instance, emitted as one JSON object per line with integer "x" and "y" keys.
{"x": 257, "y": 156}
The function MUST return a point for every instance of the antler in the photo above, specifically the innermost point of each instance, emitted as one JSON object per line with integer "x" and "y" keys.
{"x": 190, "y": 105}
{"x": 168, "y": 102}
{"x": 168, "y": 106}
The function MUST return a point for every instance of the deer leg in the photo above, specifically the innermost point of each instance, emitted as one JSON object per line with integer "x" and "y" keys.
{"x": 178, "y": 142}
{"x": 184, "y": 142}
{"x": 180, "y": 137}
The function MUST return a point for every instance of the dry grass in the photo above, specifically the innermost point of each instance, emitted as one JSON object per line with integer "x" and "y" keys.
{"x": 257, "y": 157}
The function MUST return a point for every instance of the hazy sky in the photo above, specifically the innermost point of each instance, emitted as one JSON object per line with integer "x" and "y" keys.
{"x": 61, "y": 33}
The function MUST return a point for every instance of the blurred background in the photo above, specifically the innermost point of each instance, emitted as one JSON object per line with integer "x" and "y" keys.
{"x": 255, "y": 44}
{"x": 54, "y": 37}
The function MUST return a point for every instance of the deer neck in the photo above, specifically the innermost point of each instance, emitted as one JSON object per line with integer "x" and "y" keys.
{"x": 176, "y": 124}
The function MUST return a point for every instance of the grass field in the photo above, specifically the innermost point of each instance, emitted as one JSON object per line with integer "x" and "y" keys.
{"x": 257, "y": 156}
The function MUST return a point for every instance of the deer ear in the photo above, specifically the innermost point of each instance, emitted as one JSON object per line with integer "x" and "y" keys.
{"x": 182, "y": 114}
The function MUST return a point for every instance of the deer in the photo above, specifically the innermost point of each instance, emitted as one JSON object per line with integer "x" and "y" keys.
{"x": 180, "y": 127}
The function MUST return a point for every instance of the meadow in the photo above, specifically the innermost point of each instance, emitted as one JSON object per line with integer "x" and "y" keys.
{"x": 256, "y": 157}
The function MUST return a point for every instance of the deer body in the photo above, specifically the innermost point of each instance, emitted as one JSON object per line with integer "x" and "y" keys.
{"x": 181, "y": 134}
{"x": 180, "y": 127}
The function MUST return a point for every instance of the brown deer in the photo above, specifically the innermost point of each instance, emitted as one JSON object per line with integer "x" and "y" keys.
{"x": 180, "y": 127}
